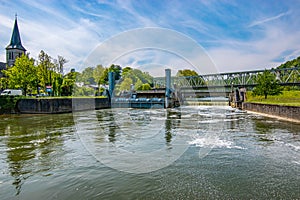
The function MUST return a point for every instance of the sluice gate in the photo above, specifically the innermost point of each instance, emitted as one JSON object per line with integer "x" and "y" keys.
{"x": 156, "y": 98}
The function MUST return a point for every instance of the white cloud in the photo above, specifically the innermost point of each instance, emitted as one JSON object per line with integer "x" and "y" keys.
{"x": 152, "y": 45}
{"x": 234, "y": 42}
{"x": 257, "y": 54}
{"x": 74, "y": 43}
{"x": 262, "y": 21}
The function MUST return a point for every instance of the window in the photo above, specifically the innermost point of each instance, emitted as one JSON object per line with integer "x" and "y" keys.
{"x": 9, "y": 56}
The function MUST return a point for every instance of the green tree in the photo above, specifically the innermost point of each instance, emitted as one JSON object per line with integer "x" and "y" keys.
{"x": 87, "y": 76}
{"x": 46, "y": 70}
{"x": 125, "y": 85}
{"x": 83, "y": 91}
{"x": 50, "y": 72}
{"x": 23, "y": 74}
{"x": 146, "y": 86}
{"x": 267, "y": 85}
{"x": 68, "y": 83}
{"x": 191, "y": 76}
{"x": 136, "y": 74}
{"x": 113, "y": 68}
{"x": 3, "y": 83}
{"x": 125, "y": 71}
{"x": 61, "y": 63}
{"x": 104, "y": 77}
{"x": 290, "y": 64}
{"x": 186, "y": 72}
{"x": 138, "y": 85}
{"x": 117, "y": 69}
{"x": 97, "y": 73}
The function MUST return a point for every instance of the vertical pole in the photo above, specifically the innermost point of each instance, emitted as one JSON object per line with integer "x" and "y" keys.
{"x": 168, "y": 87}
{"x": 111, "y": 81}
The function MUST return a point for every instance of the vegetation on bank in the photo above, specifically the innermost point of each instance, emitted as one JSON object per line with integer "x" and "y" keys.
{"x": 8, "y": 104}
{"x": 287, "y": 98}
{"x": 267, "y": 84}
{"x": 38, "y": 76}
{"x": 290, "y": 64}
{"x": 45, "y": 77}
{"x": 269, "y": 91}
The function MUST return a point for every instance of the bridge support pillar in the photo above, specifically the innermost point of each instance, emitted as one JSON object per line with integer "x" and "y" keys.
{"x": 168, "y": 88}
{"x": 111, "y": 81}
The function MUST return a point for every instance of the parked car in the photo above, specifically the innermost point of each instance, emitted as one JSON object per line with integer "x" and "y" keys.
{"x": 11, "y": 92}
{"x": 42, "y": 95}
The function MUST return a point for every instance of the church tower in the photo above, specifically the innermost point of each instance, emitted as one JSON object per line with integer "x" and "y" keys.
{"x": 15, "y": 48}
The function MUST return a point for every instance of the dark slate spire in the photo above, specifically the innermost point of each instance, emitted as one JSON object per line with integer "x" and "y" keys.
{"x": 15, "y": 41}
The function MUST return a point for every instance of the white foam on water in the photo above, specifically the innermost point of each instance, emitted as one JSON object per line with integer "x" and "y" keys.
{"x": 210, "y": 121}
{"x": 297, "y": 148}
{"x": 230, "y": 120}
{"x": 296, "y": 162}
{"x": 214, "y": 142}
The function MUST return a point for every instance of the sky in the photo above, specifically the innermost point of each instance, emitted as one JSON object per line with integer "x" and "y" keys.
{"x": 226, "y": 35}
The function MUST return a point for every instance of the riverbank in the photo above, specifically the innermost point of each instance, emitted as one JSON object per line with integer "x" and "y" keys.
{"x": 8, "y": 104}
{"x": 287, "y": 113}
{"x": 60, "y": 105}
{"x": 287, "y": 98}
{"x": 19, "y": 105}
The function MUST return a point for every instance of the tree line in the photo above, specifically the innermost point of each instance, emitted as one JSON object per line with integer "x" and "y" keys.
{"x": 46, "y": 76}
{"x": 38, "y": 76}
{"x": 268, "y": 84}
{"x": 290, "y": 64}
{"x": 125, "y": 78}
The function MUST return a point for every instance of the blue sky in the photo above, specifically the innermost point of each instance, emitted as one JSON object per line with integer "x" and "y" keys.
{"x": 236, "y": 35}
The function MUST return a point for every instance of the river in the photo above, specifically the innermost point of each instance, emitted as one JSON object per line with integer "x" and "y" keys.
{"x": 185, "y": 153}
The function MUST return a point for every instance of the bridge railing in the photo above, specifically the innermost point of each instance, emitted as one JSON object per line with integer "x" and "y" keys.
{"x": 286, "y": 76}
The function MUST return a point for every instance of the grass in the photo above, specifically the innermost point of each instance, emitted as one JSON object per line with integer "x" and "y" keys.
{"x": 287, "y": 98}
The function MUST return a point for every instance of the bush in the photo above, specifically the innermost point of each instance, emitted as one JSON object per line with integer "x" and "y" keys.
{"x": 8, "y": 104}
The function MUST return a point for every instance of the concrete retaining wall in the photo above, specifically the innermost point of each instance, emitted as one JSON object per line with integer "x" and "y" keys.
{"x": 60, "y": 105}
{"x": 289, "y": 112}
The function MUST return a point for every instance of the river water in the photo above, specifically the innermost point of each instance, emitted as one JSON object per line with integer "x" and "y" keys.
{"x": 186, "y": 153}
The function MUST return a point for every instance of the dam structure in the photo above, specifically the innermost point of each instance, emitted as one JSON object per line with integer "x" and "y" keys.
{"x": 156, "y": 98}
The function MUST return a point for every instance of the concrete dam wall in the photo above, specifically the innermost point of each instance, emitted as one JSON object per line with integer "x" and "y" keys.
{"x": 60, "y": 105}
{"x": 288, "y": 112}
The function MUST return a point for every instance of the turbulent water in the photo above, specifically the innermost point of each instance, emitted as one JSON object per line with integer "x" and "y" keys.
{"x": 186, "y": 153}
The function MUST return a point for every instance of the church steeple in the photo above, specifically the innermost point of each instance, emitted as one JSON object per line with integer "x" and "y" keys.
{"x": 15, "y": 48}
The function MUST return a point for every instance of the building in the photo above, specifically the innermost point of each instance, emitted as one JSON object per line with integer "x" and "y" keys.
{"x": 14, "y": 50}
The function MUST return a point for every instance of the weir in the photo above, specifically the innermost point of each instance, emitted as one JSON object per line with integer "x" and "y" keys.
{"x": 155, "y": 98}
{"x": 172, "y": 92}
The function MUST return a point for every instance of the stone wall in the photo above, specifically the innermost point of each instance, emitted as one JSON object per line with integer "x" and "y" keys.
{"x": 8, "y": 104}
{"x": 60, "y": 105}
{"x": 290, "y": 112}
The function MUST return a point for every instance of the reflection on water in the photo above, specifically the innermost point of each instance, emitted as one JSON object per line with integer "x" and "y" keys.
{"x": 110, "y": 125}
{"x": 132, "y": 140}
{"x": 171, "y": 123}
{"x": 29, "y": 142}
{"x": 251, "y": 157}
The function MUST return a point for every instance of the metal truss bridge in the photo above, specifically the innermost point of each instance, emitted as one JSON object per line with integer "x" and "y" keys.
{"x": 286, "y": 77}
